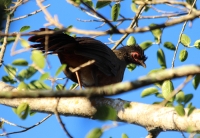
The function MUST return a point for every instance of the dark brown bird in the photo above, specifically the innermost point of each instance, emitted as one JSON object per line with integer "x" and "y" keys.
{"x": 109, "y": 64}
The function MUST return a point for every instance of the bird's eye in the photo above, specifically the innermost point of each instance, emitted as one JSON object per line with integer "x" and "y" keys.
{"x": 135, "y": 55}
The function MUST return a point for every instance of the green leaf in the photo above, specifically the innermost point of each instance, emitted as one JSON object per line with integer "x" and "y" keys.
{"x": 149, "y": 91}
{"x": 167, "y": 88}
{"x": 188, "y": 97}
{"x": 89, "y": 2}
{"x": 23, "y": 110}
{"x": 161, "y": 58}
{"x": 185, "y": 40}
{"x": 101, "y": 4}
{"x": 73, "y": 86}
{"x": 191, "y": 110}
{"x": 196, "y": 81}
{"x": 61, "y": 68}
{"x": 22, "y": 86}
{"x": 180, "y": 96}
{"x": 27, "y": 73}
{"x": 32, "y": 113}
{"x": 115, "y": 11}
{"x": 189, "y": 105}
{"x": 20, "y": 62}
{"x": 183, "y": 55}
{"x": 159, "y": 95}
{"x": 95, "y": 133}
{"x": 127, "y": 105}
{"x": 106, "y": 113}
{"x": 33, "y": 85}
{"x": 134, "y": 7}
{"x": 169, "y": 46}
{"x": 131, "y": 67}
{"x": 124, "y": 135}
{"x": 197, "y": 44}
{"x": 131, "y": 41}
{"x": 8, "y": 79}
{"x": 159, "y": 84}
{"x": 24, "y": 28}
{"x": 145, "y": 45}
{"x": 157, "y": 33}
{"x": 169, "y": 104}
{"x": 24, "y": 43}
{"x": 44, "y": 76}
{"x": 38, "y": 58}
{"x": 180, "y": 110}
{"x": 10, "y": 70}
{"x": 9, "y": 40}
{"x": 60, "y": 87}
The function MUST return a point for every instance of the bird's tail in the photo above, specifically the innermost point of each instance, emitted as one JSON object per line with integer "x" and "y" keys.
{"x": 51, "y": 43}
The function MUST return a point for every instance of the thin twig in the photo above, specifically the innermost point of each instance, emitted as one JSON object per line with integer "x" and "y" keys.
{"x": 132, "y": 25}
{"x": 28, "y": 128}
{"x": 179, "y": 39}
{"x": 60, "y": 120}
{"x": 49, "y": 18}
{"x": 30, "y": 14}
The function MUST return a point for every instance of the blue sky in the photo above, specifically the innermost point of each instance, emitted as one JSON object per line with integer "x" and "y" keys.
{"x": 68, "y": 15}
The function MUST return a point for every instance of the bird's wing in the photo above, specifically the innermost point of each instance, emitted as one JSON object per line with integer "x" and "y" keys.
{"x": 104, "y": 57}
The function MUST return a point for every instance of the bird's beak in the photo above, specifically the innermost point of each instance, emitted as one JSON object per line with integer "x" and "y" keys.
{"x": 142, "y": 63}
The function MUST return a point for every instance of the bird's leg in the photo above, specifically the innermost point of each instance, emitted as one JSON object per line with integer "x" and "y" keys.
{"x": 78, "y": 78}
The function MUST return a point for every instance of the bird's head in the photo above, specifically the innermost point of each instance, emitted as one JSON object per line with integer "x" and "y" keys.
{"x": 134, "y": 54}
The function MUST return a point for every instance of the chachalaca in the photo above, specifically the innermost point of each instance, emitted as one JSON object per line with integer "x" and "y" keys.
{"x": 109, "y": 64}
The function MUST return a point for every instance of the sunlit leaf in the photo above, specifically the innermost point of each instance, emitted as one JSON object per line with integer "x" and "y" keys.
{"x": 73, "y": 86}
{"x": 149, "y": 91}
{"x": 44, "y": 76}
{"x": 38, "y": 58}
{"x": 20, "y": 62}
{"x": 8, "y": 79}
{"x": 60, "y": 87}
{"x": 145, "y": 45}
{"x": 131, "y": 67}
{"x": 115, "y": 11}
{"x": 183, "y": 55}
{"x": 22, "y": 86}
{"x": 180, "y": 96}
{"x": 185, "y": 40}
{"x": 95, "y": 133}
{"x": 124, "y": 135}
{"x": 197, "y": 44}
{"x": 191, "y": 109}
{"x": 157, "y": 33}
{"x": 169, "y": 46}
{"x": 188, "y": 97}
{"x": 106, "y": 113}
{"x": 60, "y": 69}
{"x": 161, "y": 58}
{"x": 23, "y": 110}
{"x": 167, "y": 88}
{"x": 24, "y": 28}
{"x": 131, "y": 41}
{"x": 180, "y": 110}
{"x": 134, "y": 7}
{"x": 196, "y": 81}
{"x": 24, "y": 43}
{"x": 101, "y": 4}
{"x": 10, "y": 70}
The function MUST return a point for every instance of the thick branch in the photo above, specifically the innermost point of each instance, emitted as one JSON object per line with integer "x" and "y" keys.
{"x": 164, "y": 118}
{"x": 110, "y": 89}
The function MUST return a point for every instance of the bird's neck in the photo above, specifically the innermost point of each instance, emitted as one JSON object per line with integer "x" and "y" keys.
{"x": 120, "y": 55}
